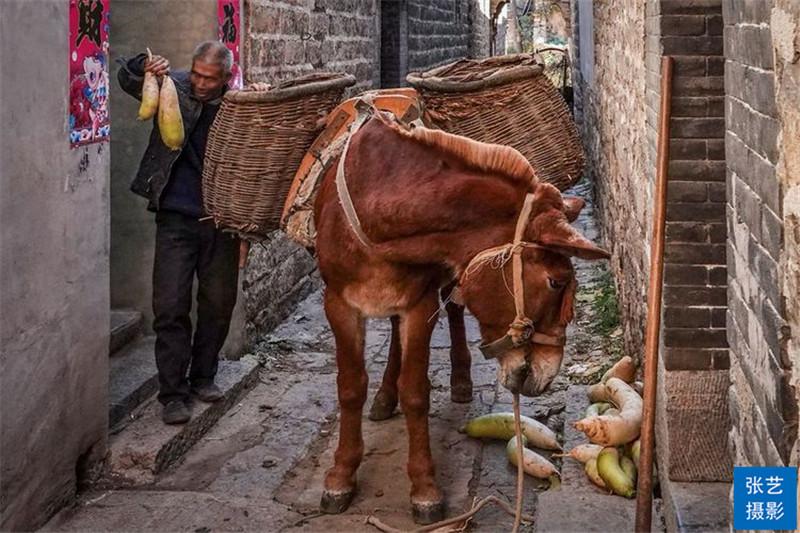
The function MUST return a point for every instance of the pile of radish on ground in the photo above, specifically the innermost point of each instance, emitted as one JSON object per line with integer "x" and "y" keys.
{"x": 612, "y": 424}
{"x": 534, "y": 433}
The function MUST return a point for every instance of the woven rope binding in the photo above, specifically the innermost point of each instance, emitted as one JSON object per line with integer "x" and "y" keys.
{"x": 255, "y": 146}
{"x": 506, "y": 100}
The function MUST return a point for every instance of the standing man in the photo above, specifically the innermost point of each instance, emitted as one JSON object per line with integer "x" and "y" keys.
{"x": 187, "y": 244}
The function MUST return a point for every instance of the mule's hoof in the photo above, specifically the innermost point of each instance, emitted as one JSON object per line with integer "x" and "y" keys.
{"x": 427, "y": 513}
{"x": 336, "y": 502}
{"x": 382, "y": 409}
{"x": 461, "y": 393}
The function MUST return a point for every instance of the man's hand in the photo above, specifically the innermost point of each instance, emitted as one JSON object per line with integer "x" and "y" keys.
{"x": 158, "y": 65}
{"x": 259, "y": 86}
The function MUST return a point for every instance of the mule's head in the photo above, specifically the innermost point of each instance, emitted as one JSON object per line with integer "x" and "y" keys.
{"x": 530, "y": 363}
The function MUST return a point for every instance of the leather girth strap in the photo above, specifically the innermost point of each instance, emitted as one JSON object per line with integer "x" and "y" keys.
{"x": 365, "y": 110}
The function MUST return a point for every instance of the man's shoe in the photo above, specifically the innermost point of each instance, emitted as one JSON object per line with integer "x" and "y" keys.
{"x": 208, "y": 393}
{"x": 175, "y": 412}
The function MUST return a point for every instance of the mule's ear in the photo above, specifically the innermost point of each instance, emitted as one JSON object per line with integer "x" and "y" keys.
{"x": 566, "y": 240}
{"x": 572, "y": 207}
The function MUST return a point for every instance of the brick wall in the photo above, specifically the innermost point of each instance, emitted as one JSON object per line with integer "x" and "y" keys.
{"x": 763, "y": 402}
{"x": 695, "y": 267}
{"x": 610, "y": 90}
{"x": 693, "y": 379}
{"x": 286, "y": 38}
{"x": 394, "y": 43}
{"x": 438, "y": 32}
{"x": 617, "y": 102}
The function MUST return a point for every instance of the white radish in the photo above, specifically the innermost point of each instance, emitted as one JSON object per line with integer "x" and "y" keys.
{"x": 582, "y": 453}
{"x": 501, "y": 426}
{"x": 598, "y": 393}
{"x": 624, "y": 369}
{"x": 597, "y": 409}
{"x": 533, "y": 464}
{"x": 591, "y": 472}
{"x": 611, "y": 430}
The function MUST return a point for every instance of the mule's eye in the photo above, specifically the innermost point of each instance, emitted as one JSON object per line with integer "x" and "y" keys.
{"x": 556, "y": 284}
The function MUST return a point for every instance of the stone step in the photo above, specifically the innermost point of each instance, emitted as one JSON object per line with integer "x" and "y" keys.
{"x": 147, "y": 446}
{"x": 132, "y": 379}
{"x": 579, "y": 505}
{"x": 690, "y": 507}
{"x": 126, "y": 325}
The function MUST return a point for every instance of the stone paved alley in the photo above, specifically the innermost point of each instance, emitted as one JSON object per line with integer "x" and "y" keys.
{"x": 261, "y": 467}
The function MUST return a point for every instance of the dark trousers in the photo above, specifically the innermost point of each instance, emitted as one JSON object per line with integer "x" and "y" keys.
{"x": 186, "y": 247}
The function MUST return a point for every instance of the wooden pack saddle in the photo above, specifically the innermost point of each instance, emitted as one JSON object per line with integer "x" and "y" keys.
{"x": 298, "y": 210}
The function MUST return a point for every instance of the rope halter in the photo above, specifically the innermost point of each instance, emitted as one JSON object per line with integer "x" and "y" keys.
{"x": 522, "y": 330}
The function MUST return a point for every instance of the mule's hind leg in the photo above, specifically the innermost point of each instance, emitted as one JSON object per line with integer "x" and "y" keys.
{"x": 348, "y": 329}
{"x": 416, "y": 328}
{"x": 460, "y": 359}
{"x": 385, "y": 401}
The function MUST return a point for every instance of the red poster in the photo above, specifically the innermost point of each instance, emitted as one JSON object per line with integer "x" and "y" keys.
{"x": 88, "y": 72}
{"x": 228, "y": 22}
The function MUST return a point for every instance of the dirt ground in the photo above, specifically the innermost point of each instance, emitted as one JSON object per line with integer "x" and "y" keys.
{"x": 262, "y": 466}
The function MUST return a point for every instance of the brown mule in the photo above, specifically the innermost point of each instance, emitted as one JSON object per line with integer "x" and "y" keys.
{"x": 429, "y": 203}
{"x": 385, "y": 401}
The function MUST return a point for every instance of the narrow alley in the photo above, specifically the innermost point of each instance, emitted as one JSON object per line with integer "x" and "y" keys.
{"x": 260, "y": 468}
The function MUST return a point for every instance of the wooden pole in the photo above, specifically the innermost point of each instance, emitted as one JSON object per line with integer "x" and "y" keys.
{"x": 644, "y": 492}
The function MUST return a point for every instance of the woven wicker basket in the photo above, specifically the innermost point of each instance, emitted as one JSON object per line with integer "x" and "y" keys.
{"x": 506, "y": 100}
{"x": 255, "y": 146}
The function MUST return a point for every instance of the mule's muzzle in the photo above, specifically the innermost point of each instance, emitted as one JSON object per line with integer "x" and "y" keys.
{"x": 535, "y": 384}
{"x": 525, "y": 380}
{"x": 515, "y": 380}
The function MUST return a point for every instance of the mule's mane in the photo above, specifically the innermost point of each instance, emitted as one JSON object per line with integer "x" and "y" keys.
{"x": 485, "y": 157}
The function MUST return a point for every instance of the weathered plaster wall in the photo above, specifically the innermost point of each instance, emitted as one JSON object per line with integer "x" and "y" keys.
{"x": 54, "y": 274}
{"x": 758, "y": 140}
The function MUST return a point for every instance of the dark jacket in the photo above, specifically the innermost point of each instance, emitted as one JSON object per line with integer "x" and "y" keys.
{"x": 156, "y": 166}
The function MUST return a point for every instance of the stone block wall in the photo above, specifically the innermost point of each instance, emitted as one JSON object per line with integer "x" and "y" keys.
{"x": 763, "y": 401}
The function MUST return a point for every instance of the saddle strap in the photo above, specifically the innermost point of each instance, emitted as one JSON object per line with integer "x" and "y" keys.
{"x": 365, "y": 111}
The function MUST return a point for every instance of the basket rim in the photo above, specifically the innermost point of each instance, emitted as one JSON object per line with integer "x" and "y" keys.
{"x": 338, "y": 81}
{"x": 508, "y": 70}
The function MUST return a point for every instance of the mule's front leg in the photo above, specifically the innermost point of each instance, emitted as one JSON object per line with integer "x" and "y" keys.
{"x": 348, "y": 329}
{"x": 460, "y": 358}
{"x": 416, "y": 327}
{"x": 386, "y": 398}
